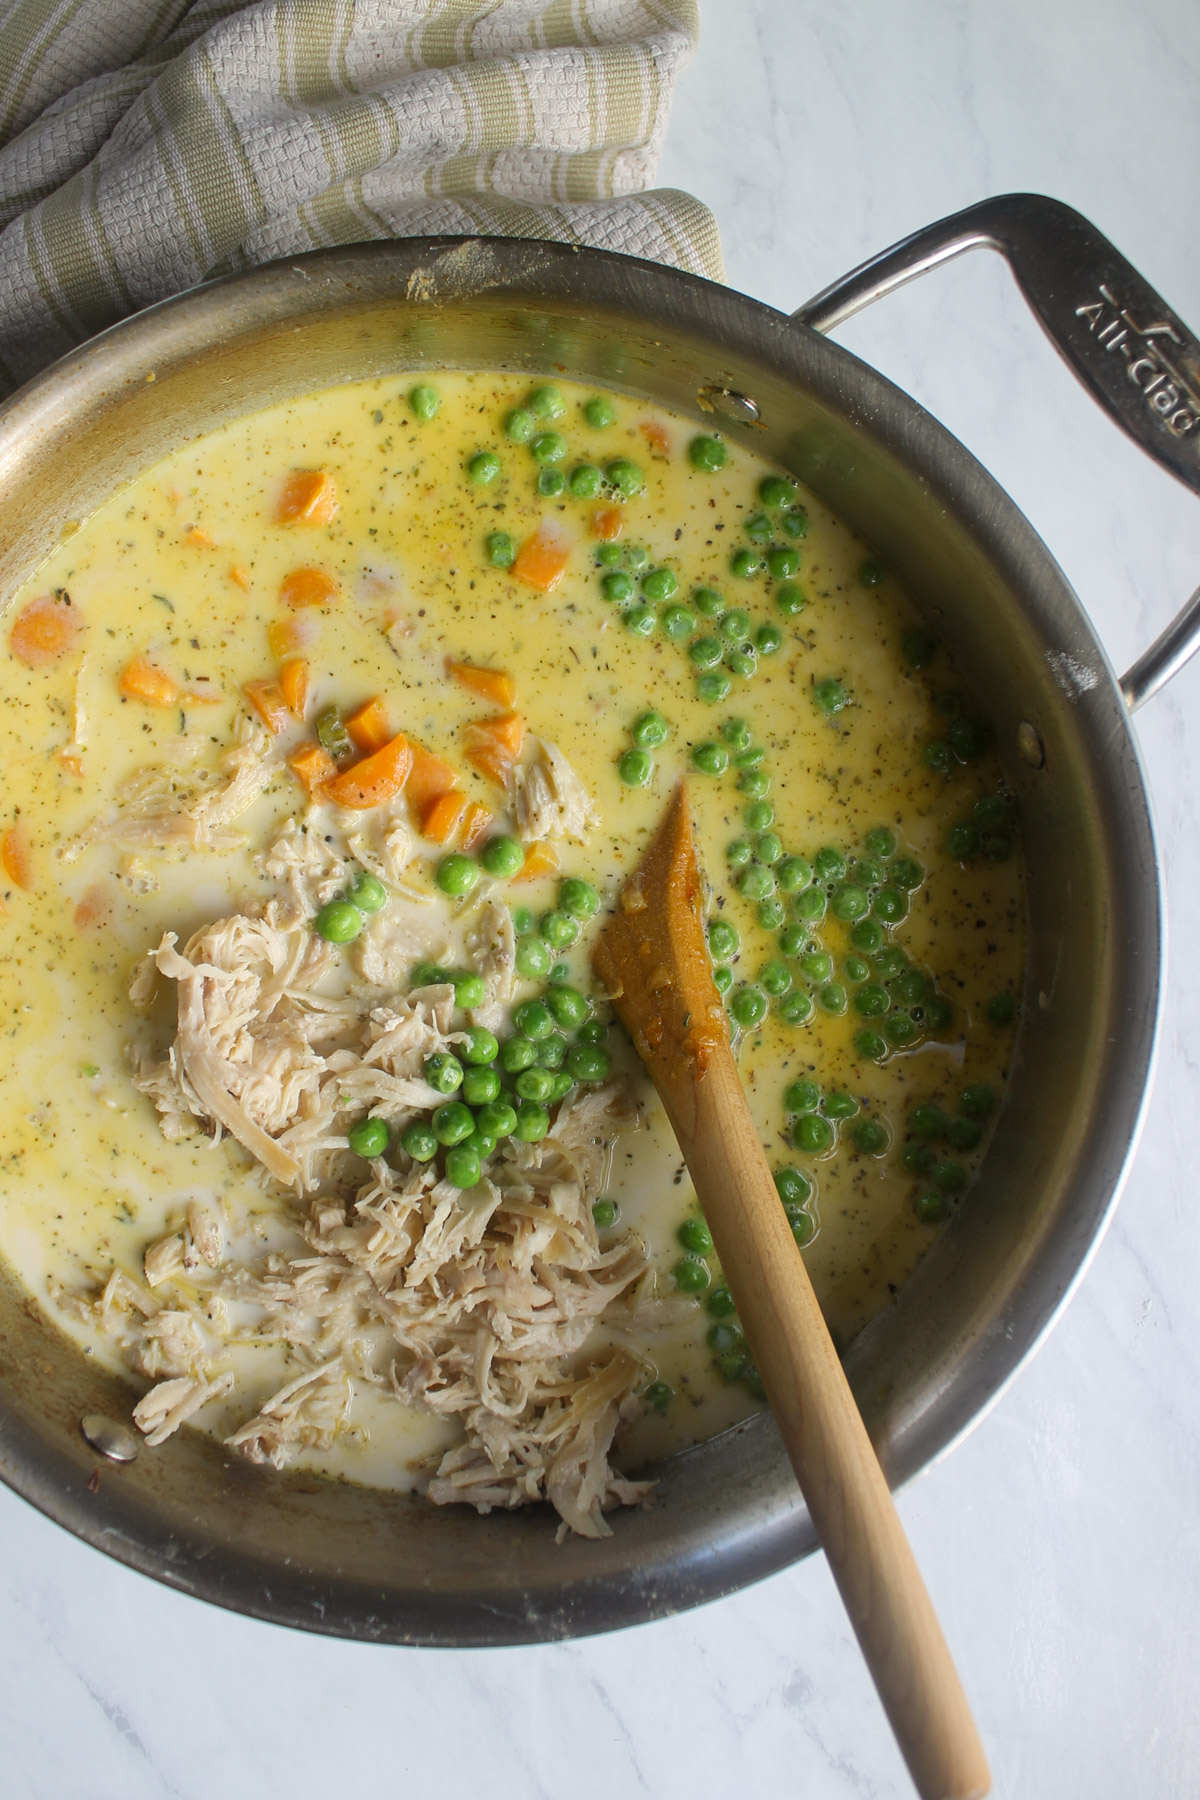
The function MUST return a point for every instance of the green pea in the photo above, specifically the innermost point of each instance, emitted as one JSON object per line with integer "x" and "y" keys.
{"x": 992, "y": 812}
{"x": 616, "y": 586}
{"x": 551, "y": 1055}
{"x": 710, "y": 759}
{"x": 977, "y": 1101}
{"x": 479, "y": 1047}
{"x": 768, "y": 639}
{"x": 850, "y": 903}
{"x": 793, "y": 940}
{"x": 931, "y": 1209}
{"x": 481, "y": 1142}
{"x": 533, "y": 1019}
{"x": 578, "y": 898}
{"x": 732, "y": 1365}
{"x": 599, "y": 413}
{"x": 967, "y": 738}
{"x": 889, "y": 961}
{"x": 497, "y": 1118}
{"x": 659, "y": 584}
{"x": 793, "y": 874}
{"x": 424, "y": 401}
{"x": 996, "y": 845}
{"x": 739, "y": 853}
{"x": 480, "y": 1085}
{"x": 708, "y": 454}
{"x": 722, "y": 978}
{"x": 419, "y": 1141}
{"x": 910, "y": 989}
{"x": 812, "y": 1134}
{"x": 872, "y": 1000}
{"x": 635, "y": 767}
{"x": 551, "y": 482}
{"x": 678, "y": 622}
{"x": 734, "y": 625}
{"x": 801, "y": 1096}
{"x": 939, "y": 757}
{"x": 870, "y": 1045}
{"x": 963, "y": 1135}
{"x": 938, "y": 1013}
{"x": 789, "y": 600}
{"x": 589, "y": 1062}
{"x": 1001, "y": 1009}
{"x": 872, "y": 572}
{"x": 708, "y": 603}
{"x": 548, "y": 447}
{"x": 705, "y": 652}
{"x": 795, "y": 522}
{"x": 747, "y": 1006}
{"x": 962, "y": 841}
{"x": 840, "y": 1105}
{"x": 517, "y": 1053}
{"x": 568, "y": 1007}
{"x": 658, "y": 1396}
{"x": 503, "y": 856}
{"x": 520, "y": 425}
{"x": 744, "y": 564}
{"x": 830, "y": 696}
{"x": 694, "y": 1235}
{"x": 743, "y": 662}
{"x": 427, "y": 974}
{"x": 867, "y": 935}
{"x": 890, "y": 905}
{"x": 758, "y": 529}
{"x": 367, "y": 893}
{"x": 856, "y": 968}
{"x": 338, "y": 922}
{"x": 773, "y": 490}
{"x": 829, "y": 863}
{"x": 794, "y": 1187}
{"x": 533, "y": 1122}
{"x": 558, "y": 929}
{"x": 452, "y": 1122}
{"x": 900, "y": 1030}
{"x": 547, "y": 402}
{"x": 881, "y": 841}
{"x": 469, "y": 989}
{"x": 624, "y": 476}
{"x": 649, "y": 730}
{"x": 534, "y": 1083}
{"x": 720, "y": 1303}
{"x": 757, "y": 882}
{"x": 532, "y": 958}
{"x": 918, "y": 1159}
{"x": 636, "y": 555}
{"x": 501, "y": 550}
{"x": 463, "y": 1168}
{"x": 918, "y": 648}
{"x": 584, "y": 481}
{"x": 736, "y": 734}
{"x": 755, "y": 783}
{"x": 592, "y": 1031}
{"x": 796, "y": 1009}
{"x": 866, "y": 872}
{"x": 810, "y": 906}
{"x": 833, "y": 998}
{"x": 443, "y": 1072}
{"x": 690, "y": 1275}
{"x": 483, "y": 467}
{"x": 522, "y": 920}
{"x": 776, "y": 978}
{"x": 769, "y": 848}
{"x": 641, "y": 620}
{"x": 870, "y": 1137}
{"x": 723, "y": 939}
{"x": 771, "y": 914}
{"x": 456, "y": 874}
{"x": 950, "y": 1177}
{"x": 724, "y": 1337}
{"x": 905, "y": 873}
{"x": 816, "y": 965}
{"x": 604, "y": 1213}
{"x": 783, "y": 562}
{"x": 713, "y": 686}
{"x": 369, "y": 1137}
{"x": 560, "y": 972}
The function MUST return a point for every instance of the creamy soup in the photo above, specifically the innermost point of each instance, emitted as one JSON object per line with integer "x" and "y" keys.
{"x": 329, "y": 741}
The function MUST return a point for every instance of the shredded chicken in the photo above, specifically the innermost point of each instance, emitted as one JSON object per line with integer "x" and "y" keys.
{"x": 549, "y": 799}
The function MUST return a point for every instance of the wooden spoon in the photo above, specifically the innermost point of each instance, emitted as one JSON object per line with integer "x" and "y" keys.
{"x": 653, "y": 960}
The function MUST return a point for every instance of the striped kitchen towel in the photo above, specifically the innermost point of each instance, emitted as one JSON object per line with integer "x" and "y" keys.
{"x": 151, "y": 144}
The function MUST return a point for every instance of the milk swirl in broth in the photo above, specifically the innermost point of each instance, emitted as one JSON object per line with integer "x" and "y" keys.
{"x": 863, "y": 729}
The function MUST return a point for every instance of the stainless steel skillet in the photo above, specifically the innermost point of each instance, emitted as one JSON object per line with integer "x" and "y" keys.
{"x": 363, "y": 1564}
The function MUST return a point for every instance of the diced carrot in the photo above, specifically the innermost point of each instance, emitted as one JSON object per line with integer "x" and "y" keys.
{"x": 197, "y": 538}
{"x": 152, "y": 686}
{"x": 477, "y": 824}
{"x": 309, "y": 587}
{"x": 71, "y": 759}
{"x": 309, "y": 497}
{"x": 201, "y": 696}
{"x": 540, "y": 859}
{"x": 656, "y": 436}
{"x": 45, "y": 630}
{"x": 368, "y": 726}
{"x": 442, "y": 817}
{"x": 287, "y": 637}
{"x": 312, "y": 765}
{"x": 375, "y": 779}
{"x": 240, "y": 577}
{"x": 94, "y": 908}
{"x": 542, "y": 558}
{"x": 295, "y": 684}
{"x": 490, "y": 761}
{"x": 495, "y": 685}
{"x": 266, "y": 697}
{"x": 505, "y": 730}
{"x": 429, "y": 778}
{"x": 608, "y": 522}
{"x": 14, "y": 854}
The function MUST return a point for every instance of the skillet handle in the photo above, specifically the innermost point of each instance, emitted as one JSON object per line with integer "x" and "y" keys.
{"x": 1134, "y": 355}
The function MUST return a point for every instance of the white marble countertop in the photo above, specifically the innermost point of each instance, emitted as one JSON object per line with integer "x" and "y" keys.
{"x": 1061, "y": 1541}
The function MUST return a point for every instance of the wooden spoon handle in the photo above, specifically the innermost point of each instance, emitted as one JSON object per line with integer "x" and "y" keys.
{"x": 835, "y": 1464}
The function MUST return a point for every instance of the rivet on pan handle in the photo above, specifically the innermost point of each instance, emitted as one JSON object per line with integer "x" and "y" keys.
{"x": 1134, "y": 355}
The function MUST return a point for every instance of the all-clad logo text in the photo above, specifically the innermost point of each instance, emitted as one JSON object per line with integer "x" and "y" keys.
{"x": 1148, "y": 352}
